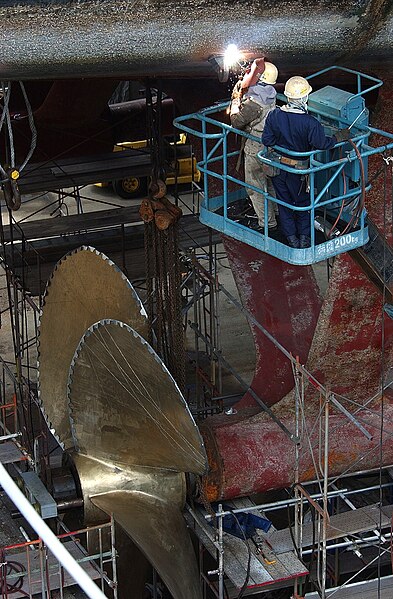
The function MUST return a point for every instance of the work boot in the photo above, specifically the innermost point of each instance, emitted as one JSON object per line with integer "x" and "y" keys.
{"x": 233, "y": 212}
{"x": 305, "y": 241}
{"x": 254, "y": 225}
{"x": 293, "y": 241}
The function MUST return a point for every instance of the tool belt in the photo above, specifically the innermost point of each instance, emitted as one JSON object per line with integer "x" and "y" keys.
{"x": 273, "y": 170}
{"x": 300, "y": 164}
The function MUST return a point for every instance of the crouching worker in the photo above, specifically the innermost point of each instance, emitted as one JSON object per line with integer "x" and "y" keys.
{"x": 252, "y": 100}
{"x": 291, "y": 127}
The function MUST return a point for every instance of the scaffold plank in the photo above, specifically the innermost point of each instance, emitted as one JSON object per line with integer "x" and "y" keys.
{"x": 40, "y": 257}
{"x": 40, "y": 495}
{"x": 84, "y": 170}
{"x": 30, "y": 563}
{"x": 52, "y": 227}
{"x": 10, "y": 453}
{"x": 266, "y": 568}
{"x": 369, "y": 589}
{"x": 348, "y": 523}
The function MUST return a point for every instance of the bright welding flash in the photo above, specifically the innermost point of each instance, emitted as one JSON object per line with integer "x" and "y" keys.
{"x": 232, "y": 56}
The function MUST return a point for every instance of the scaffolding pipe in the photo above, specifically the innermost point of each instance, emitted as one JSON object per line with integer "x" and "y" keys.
{"x": 362, "y": 543}
{"x": 220, "y": 555}
{"x": 48, "y": 537}
{"x": 283, "y": 503}
{"x": 325, "y": 518}
{"x": 10, "y": 436}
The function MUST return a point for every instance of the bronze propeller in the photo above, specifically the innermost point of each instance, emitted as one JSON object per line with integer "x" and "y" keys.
{"x": 118, "y": 412}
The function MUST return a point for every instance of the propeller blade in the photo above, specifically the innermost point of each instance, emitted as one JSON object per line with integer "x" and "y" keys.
{"x": 84, "y": 288}
{"x": 125, "y": 408}
{"x": 158, "y": 528}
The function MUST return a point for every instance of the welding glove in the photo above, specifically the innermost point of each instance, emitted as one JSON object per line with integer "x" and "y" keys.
{"x": 342, "y": 135}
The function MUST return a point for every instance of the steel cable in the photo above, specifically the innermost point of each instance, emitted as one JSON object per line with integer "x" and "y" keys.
{"x": 4, "y": 113}
{"x": 32, "y": 128}
{"x": 10, "y": 136}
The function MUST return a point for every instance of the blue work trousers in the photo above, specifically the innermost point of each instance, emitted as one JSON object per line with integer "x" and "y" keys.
{"x": 291, "y": 188}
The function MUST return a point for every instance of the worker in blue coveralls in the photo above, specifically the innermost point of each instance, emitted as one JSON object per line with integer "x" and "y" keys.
{"x": 291, "y": 127}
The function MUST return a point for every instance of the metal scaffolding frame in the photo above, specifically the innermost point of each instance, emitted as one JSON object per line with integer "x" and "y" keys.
{"x": 303, "y": 500}
{"x": 30, "y": 568}
{"x": 201, "y": 291}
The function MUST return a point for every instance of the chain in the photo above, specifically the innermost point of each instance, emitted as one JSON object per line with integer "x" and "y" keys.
{"x": 163, "y": 285}
{"x": 150, "y": 273}
{"x": 163, "y": 276}
{"x": 175, "y": 315}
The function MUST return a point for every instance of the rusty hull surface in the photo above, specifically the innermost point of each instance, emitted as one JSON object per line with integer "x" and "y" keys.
{"x": 249, "y": 453}
{"x": 353, "y": 342}
{"x": 285, "y": 299}
{"x": 253, "y": 455}
{"x": 351, "y": 352}
{"x": 75, "y": 38}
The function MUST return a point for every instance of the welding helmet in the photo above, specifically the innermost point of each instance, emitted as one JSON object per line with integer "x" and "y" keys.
{"x": 270, "y": 74}
{"x": 297, "y": 88}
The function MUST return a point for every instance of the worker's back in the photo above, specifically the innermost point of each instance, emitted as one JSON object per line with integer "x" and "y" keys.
{"x": 296, "y": 131}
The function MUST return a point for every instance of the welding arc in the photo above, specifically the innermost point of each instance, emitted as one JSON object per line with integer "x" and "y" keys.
{"x": 134, "y": 439}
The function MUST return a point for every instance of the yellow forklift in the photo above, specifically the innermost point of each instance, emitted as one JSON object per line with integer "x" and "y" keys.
{"x": 181, "y": 168}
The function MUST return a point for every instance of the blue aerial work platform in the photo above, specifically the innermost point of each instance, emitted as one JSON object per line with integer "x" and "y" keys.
{"x": 337, "y": 178}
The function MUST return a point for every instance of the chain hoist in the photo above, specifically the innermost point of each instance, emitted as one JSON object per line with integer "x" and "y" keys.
{"x": 163, "y": 274}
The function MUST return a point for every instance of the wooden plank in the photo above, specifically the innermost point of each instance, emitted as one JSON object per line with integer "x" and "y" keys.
{"x": 236, "y": 554}
{"x": 259, "y": 575}
{"x": 280, "y": 567}
{"x": 233, "y": 567}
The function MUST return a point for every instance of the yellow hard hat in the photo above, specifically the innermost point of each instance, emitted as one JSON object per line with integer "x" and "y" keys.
{"x": 270, "y": 73}
{"x": 297, "y": 87}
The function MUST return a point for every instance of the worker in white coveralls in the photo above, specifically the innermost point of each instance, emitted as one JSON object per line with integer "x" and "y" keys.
{"x": 253, "y": 98}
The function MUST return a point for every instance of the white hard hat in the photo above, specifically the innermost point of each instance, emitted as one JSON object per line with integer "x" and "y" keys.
{"x": 270, "y": 73}
{"x": 297, "y": 88}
